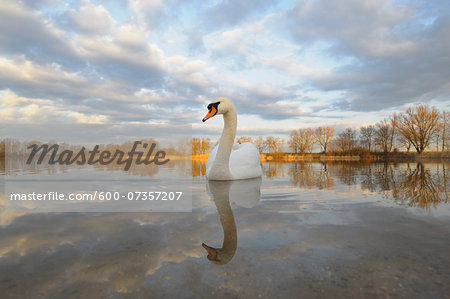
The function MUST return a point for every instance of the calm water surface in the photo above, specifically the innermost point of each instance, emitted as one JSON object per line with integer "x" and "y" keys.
{"x": 304, "y": 230}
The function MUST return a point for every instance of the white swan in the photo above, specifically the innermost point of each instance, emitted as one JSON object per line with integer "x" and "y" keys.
{"x": 230, "y": 161}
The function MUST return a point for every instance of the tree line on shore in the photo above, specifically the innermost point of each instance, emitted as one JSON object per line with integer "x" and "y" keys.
{"x": 419, "y": 128}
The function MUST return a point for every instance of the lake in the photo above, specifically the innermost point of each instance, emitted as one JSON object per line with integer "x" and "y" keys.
{"x": 335, "y": 229}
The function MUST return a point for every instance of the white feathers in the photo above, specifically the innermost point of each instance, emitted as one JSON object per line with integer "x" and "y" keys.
{"x": 245, "y": 161}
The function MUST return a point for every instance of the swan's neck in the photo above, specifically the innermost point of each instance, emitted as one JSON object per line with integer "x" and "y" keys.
{"x": 226, "y": 141}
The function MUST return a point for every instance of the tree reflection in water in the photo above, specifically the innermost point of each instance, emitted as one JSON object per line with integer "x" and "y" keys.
{"x": 308, "y": 175}
{"x": 419, "y": 184}
{"x": 420, "y": 187}
{"x": 198, "y": 168}
{"x": 273, "y": 169}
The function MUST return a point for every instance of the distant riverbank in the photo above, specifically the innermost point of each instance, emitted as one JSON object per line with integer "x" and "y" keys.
{"x": 290, "y": 157}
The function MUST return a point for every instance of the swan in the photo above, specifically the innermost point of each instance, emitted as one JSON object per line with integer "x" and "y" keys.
{"x": 229, "y": 160}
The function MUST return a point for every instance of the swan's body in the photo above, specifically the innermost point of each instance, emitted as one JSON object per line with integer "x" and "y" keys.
{"x": 244, "y": 163}
{"x": 230, "y": 161}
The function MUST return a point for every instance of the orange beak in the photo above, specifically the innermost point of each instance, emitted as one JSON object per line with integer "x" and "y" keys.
{"x": 210, "y": 113}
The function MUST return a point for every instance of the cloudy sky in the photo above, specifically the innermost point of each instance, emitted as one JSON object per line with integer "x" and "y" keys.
{"x": 285, "y": 64}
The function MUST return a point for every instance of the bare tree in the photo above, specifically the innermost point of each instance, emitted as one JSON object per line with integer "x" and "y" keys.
{"x": 196, "y": 146}
{"x": 306, "y": 140}
{"x": 445, "y": 130}
{"x": 419, "y": 125}
{"x": 184, "y": 146}
{"x": 302, "y": 140}
{"x": 274, "y": 145}
{"x": 323, "y": 136}
{"x": 294, "y": 141}
{"x": 437, "y": 136}
{"x": 346, "y": 141}
{"x": 384, "y": 136}
{"x": 404, "y": 142}
{"x": 394, "y": 119}
{"x": 205, "y": 146}
{"x": 260, "y": 144}
{"x": 200, "y": 146}
{"x": 367, "y": 136}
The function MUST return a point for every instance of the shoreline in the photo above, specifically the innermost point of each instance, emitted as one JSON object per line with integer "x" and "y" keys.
{"x": 284, "y": 157}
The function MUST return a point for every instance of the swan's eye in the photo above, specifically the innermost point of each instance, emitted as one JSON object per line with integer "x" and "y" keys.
{"x": 213, "y": 105}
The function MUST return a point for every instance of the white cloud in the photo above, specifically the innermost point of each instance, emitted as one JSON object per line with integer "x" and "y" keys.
{"x": 106, "y": 49}
{"x": 11, "y": 99}
{"x": 144, "y": 5}
{"x": 132, "y": 36}
{"x": 27, "y": 32}
{"x": 91, "y": 19}
{"x": 365, "y": 27}
{"x": 23, "y": 70}
{"x": 289, "y": 64}
{"x": 88, "y": 119}
{"x": 246, "y": 43}
{"x": 29, "y": 110}
{"x": 320, "y": 56}
{"x": 7, "y": 114}
{"x": 147, "y": 13}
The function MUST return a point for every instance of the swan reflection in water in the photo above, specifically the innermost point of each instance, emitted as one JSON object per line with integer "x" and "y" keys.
{"x": 244, "y": 193}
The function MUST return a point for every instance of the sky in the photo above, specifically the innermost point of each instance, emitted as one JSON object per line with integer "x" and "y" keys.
{"x": 284, "y": 64}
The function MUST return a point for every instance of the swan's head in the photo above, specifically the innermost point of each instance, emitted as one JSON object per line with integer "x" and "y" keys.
{"x": 218, "y": 106}
{"x": 212, "y": 253}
